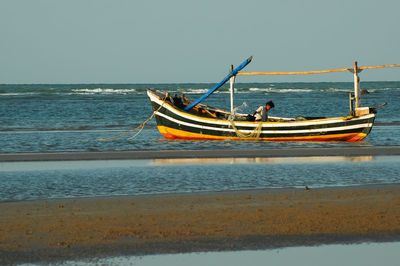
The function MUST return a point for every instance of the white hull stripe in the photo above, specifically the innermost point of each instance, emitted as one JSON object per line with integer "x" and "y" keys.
{"x": 365, "y": 125}
{"x": 253, "y": 125}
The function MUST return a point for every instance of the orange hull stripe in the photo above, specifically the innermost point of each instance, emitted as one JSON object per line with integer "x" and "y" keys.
{"x": 171, "y": 133}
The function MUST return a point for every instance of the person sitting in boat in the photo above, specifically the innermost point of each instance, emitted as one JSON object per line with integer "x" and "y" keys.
{"x": 261, "y": 114}
{"x": 178, "y": 101}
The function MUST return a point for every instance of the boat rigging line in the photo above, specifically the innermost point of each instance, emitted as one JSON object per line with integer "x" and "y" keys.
{"x": 140, "y": 127}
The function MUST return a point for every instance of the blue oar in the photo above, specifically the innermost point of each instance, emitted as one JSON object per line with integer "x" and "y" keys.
{"x": 233, "y": 73}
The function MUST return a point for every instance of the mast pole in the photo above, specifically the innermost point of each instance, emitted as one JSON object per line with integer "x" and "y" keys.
{"x": 232, "y": 91}
{"x": 356, "y": 85}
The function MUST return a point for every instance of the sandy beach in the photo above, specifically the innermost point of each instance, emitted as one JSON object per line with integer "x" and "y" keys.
{"x": 59, "y": 229}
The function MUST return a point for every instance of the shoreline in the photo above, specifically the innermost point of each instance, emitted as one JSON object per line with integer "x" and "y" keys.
{"x": 188, "y": 154}
{"x": 209, "y": 193}
{"x": 77, "y": 228}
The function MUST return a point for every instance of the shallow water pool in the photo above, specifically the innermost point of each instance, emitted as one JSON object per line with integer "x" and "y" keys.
{"x": 357, "y": 254}
{"x": 44, "y": 180}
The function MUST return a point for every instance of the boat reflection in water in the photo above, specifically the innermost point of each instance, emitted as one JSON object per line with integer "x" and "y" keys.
{"x": 312, "y": 159}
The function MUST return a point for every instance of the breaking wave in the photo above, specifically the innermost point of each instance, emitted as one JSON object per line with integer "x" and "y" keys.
{"x": 102, "y": 91}
{"x": 277, "y": 90}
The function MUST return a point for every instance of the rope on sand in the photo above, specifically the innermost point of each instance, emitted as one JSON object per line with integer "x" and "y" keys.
{"x": 140, "y": 127}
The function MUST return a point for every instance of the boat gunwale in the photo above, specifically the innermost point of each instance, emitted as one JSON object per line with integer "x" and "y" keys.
{"x": 266, "y": 130}
{"x": 293, "y": 123}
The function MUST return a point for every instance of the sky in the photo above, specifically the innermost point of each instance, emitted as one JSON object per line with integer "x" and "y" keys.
{"x": 185, "y": 41}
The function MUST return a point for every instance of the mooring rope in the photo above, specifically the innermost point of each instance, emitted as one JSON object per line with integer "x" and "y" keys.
{"x": 141, "y": 126}
{"x": 254, "y": 134}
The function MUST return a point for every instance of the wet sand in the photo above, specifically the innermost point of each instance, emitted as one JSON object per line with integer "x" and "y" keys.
{"x": 182, "y": 154}
{"x": 53, "y": 230}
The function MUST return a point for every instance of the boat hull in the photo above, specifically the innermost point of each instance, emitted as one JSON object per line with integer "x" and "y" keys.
{"x": 177, "y": 124}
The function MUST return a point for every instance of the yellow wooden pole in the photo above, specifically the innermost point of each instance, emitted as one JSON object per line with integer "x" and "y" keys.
{"x": 291, "y": 73}
{"x": 312, "y": 72}
{"x": 382, "y": 66}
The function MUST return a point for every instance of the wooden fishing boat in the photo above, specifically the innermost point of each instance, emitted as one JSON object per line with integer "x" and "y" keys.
{"x": 181, "y": 118}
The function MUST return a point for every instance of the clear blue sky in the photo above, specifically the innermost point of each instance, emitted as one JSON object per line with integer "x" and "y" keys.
{"x": 157, "y": 41}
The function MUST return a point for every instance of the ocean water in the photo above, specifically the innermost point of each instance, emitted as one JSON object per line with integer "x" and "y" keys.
{"x": 68, "y": 118}
{"x": 59, "y": 118}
